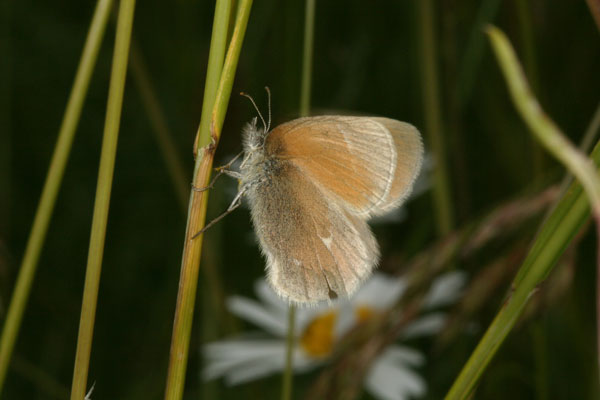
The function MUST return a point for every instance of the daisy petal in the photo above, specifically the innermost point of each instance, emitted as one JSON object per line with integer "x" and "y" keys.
{"x": 257, "y": 370}
{"x": 254, "y": 312}
{"x": 267, "y": 366}
{"x": 346, "y": 319}
{"x": 241, "y": 349}
{"x": 269, "y": 297}
{"x": 403, "y": 355}
{"x": 243, "y": 360}
{"x": 425, "y": 326}
{"x": 398, "y": 384}
{"x": 224, "y": 356}
{"x": 388, "y": 379}
{"x": 445, "y": 290}
{"x": 380, "y": 291}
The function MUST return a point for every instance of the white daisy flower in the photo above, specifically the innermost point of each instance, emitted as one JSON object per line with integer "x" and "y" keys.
{"x": 392, "y": 376}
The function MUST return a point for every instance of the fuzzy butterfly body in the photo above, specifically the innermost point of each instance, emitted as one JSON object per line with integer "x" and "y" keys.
{"x": 312, "y": 184}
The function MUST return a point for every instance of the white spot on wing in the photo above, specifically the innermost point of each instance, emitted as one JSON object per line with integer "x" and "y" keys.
{"x": 327, "y": 241}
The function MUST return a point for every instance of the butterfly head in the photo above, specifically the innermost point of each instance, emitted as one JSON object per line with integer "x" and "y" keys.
{"x": 254, "y": 137}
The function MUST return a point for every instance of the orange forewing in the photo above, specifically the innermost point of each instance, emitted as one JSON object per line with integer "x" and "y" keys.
{"x": 367, "y": 163}
{"x": 340, "y": 155}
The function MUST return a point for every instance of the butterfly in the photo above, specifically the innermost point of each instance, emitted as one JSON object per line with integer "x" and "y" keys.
{"x": 312, "y": 184}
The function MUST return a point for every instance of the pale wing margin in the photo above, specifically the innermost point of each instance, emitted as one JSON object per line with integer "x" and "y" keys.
{"x": 409, "y": 150}
{"x": 352, "y": 159}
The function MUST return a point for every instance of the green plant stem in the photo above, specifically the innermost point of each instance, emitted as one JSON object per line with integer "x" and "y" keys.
{"x": 307, "y": 54}
{"x": 589, "y": 137}
{"x": 207, "y": 140}
{"x": 52, "y": 184}
{"x": 218, "y": 44}
{"x": 226, "y": 83}
{"x": 585, "y": 145}
{"x": 288, "y": 372}
{"x": 433, "y": 122}
{"x": 162, "y": 133}
{"x": 554, "y": 237}
{"x": 102, "y": 201}
{"x": 543, "y": 128}
{"x": 550, "y": 136}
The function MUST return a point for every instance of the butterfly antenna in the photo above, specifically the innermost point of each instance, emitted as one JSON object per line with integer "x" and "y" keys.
{"x": 257, "y": 110}
{"x": 269, "y": 106}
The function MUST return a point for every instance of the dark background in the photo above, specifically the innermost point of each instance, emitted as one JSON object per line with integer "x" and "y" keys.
{"x": 366, "y": 61}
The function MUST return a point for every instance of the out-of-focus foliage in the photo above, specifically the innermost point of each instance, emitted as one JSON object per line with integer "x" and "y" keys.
{"x": 366, "y": 61}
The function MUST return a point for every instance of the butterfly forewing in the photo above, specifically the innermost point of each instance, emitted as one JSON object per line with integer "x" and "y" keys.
{"x": 352, "y": 158}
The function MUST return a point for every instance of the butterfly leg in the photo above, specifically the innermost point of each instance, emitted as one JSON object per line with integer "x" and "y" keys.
{"x": 224, "y": 169}
{"x": 237, "y": 201}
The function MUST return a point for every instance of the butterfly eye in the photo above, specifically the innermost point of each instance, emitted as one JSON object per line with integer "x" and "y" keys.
{"x": 257, "y": 140}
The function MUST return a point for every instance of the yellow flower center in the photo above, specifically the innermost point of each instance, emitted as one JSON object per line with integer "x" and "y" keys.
{"x": 317, "y": 338}
{"x": 364, "y": 314}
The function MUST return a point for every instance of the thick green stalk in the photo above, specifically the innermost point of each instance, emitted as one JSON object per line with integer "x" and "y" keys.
{"x": 102, "y": 201}
{"x": 218, "y": 44}
{"x": 554, "y": 237}
{"x": 591, "y": 132}
{"x": 550, "y": 136}
{"x": 207, "y": 140}
{"x": 433, "y": 120}
{"x": 52, "y": 184}
{"x": 226, "y": 83}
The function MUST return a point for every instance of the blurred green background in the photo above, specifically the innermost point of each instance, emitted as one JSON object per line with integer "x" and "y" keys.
{"x": 366, "y": 61}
